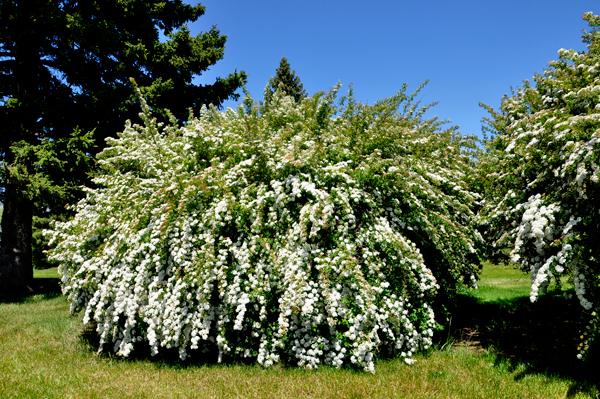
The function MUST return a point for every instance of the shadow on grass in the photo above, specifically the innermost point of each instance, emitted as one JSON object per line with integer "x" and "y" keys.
{"x": 535, "y": 338}
{"x": 47, "y": 287}
{"x": 165, "y": 358}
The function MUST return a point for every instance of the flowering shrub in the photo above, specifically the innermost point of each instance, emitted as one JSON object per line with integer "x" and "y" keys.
{"x": 315, "y": 233}
{"x": 542, "y": 197}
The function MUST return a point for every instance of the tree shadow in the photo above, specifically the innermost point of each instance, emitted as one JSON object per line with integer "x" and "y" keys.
{"x": 46, "y": 287}
{"x": 535, "y": 338}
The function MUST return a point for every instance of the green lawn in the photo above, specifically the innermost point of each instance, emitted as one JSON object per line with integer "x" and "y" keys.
{"x": 46, "y": 273}
{"x": 502, "y": 283}
{"x": 43, "y": 354}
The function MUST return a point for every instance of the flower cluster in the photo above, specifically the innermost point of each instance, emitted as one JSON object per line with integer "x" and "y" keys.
{"x": 316, "y": 233}
{"x": 542, "y": 192}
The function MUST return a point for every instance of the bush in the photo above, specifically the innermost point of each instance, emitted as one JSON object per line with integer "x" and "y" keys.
{"x": 543, "y": 164}
{"x": 311, "y": 234}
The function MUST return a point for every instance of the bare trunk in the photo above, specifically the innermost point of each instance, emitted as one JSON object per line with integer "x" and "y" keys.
{"x": 16, "y": 270}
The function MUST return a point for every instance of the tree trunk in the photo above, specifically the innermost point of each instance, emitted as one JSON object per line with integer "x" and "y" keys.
{"x": 16, "y": 269}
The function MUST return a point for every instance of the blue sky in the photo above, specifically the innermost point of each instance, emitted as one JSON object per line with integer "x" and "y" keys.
{"x": 470, "y": 51}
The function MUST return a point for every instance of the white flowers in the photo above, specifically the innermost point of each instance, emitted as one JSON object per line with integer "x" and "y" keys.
{"x": 272, "y": 236}
{"x": 543, "y": 170}
{"x": 536, "y": 224}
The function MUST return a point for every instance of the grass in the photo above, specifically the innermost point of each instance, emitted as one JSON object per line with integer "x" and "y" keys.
{"x": 505, "y": 283}
{"x": 45, "y": 354}
{"x": 46, "y": 273}
{"x": 499, "y": 282}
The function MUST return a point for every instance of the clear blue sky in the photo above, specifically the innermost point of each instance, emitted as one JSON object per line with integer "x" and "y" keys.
{"x": 470, "y": 51}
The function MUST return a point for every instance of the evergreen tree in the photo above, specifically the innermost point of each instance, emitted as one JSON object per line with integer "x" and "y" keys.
{"x": 285, "y": 80}
{"x": 64, "y": 82}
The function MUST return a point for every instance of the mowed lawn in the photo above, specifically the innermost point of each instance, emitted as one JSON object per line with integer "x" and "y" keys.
{"x": 494, "y": 347}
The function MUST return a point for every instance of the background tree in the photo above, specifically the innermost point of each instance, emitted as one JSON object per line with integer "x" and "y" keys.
{"x": 285, "y": 80}
{"x": 542, "y": 185}
{"x": 64, "y": 69}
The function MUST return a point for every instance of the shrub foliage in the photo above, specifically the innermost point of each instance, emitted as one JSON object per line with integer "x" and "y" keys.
{"x": 543, "y": 165}
{"x": 311, "y": 233}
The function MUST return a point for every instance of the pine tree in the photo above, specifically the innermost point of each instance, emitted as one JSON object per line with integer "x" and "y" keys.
{"x": 285, "y": 80}
{"x": 64, "y": 82}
